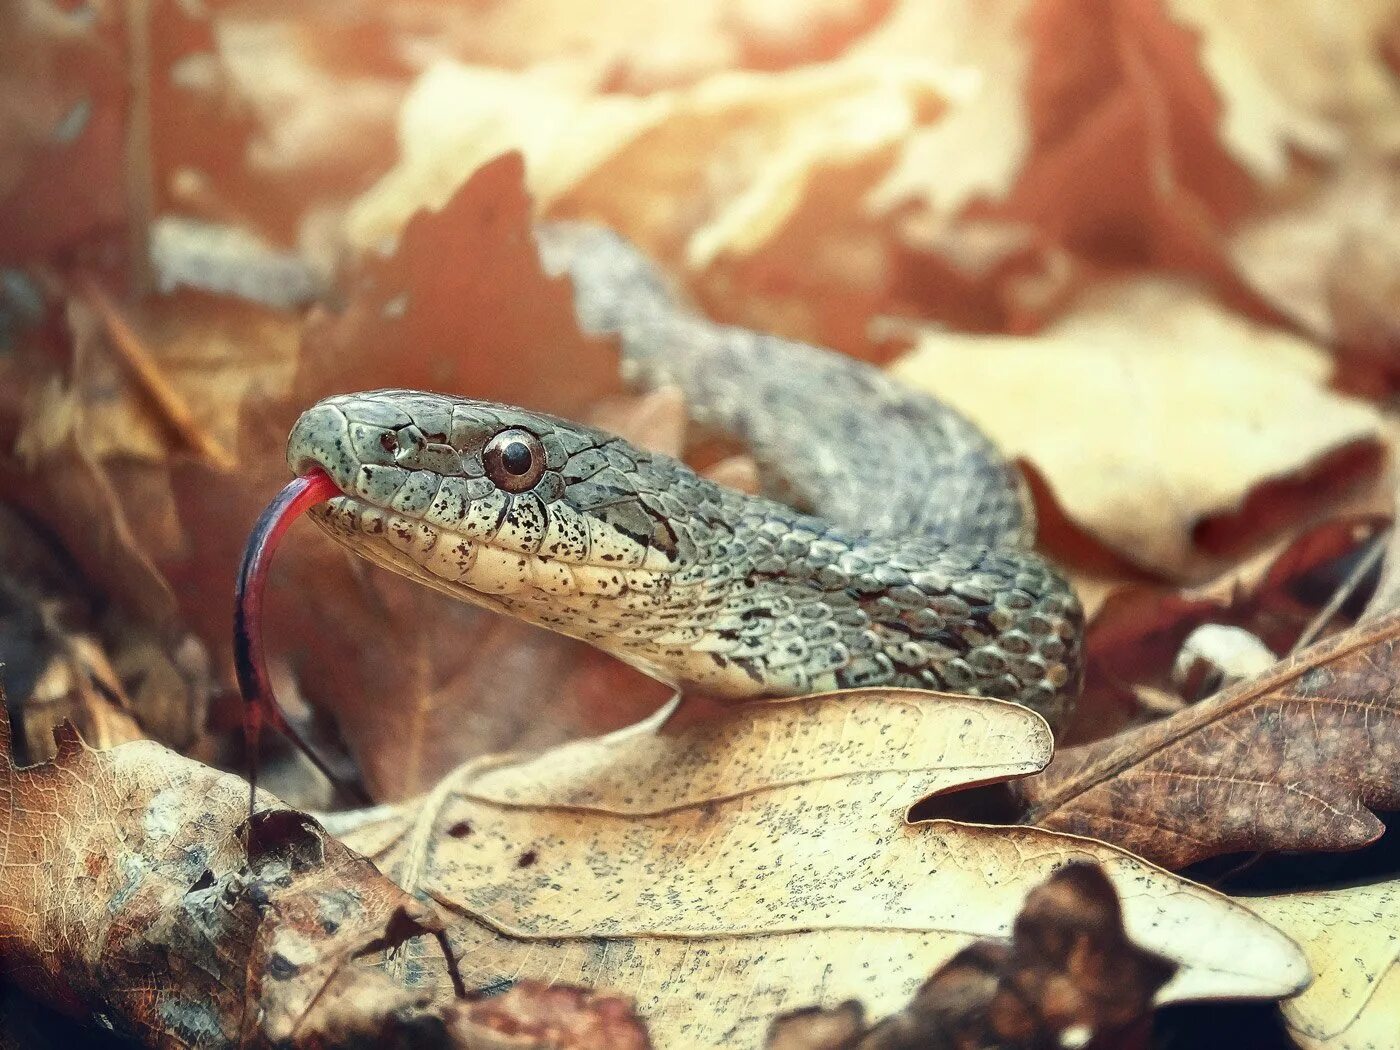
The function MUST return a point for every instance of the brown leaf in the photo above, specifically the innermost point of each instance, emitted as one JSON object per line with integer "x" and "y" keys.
{"x": 128, "y": 893}
{"x": 462, "y": 305}
{"x": 560, "y": 1017}
{"x": 1138, "y": 628}
{"x": 1290, "y": 760}
{"x": 1070, "y": 967}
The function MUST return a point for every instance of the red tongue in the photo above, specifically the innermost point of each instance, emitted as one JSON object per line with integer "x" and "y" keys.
{"x": 259, "y": 700}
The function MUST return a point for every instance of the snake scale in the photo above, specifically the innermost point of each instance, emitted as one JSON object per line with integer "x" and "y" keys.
{"x": 892, "y": 546}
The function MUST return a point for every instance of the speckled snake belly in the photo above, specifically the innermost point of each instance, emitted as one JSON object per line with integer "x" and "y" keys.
{"x": 898, "y": 555}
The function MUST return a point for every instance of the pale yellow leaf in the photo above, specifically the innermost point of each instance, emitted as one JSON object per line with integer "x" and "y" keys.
{"x": 1328, "y": 260}
{"x": 1255, "y": 69}
{"x": 978, "y": 148}
{"x": 1148, "y": 410}
{"x": 1351, "y": 938}
{"x": 692, "y": 173}
{"x": 725, "y": 873}
{"x": 1295, "y": 74}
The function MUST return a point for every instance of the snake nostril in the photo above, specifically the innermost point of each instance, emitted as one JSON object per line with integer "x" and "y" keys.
{"x": 389, "y": 442}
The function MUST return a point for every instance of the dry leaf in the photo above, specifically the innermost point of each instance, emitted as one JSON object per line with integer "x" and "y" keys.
{"x": 1250, "y": 52}
{"x": 98, "y": 455}
{"x": 745, "y": 144}
{"x": 1138, "y": 629}
{"x": 1349, "y": 937}
{"x": 1294, "y": 759}
{"x": 948, "y": 164}
{"x": 1069, "y": 973}
{"x": 53, "y": 667}
{"x": 128, "y": 894}
{"x": 731, "y": 871}
{"x": 742, "y": 184}
{"x": 462, "y": 304}
{"x": 1326, "y": 261}
{"x": 1167, "y": 428}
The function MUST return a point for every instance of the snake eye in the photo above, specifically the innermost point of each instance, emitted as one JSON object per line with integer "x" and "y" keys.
{"x": 514, "y": 460}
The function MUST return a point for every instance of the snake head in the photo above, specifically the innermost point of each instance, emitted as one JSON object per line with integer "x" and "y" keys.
{"x": 508, "y": 508}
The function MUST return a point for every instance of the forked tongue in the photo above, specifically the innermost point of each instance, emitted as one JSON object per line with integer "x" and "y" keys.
{"x": 259, "y": 700}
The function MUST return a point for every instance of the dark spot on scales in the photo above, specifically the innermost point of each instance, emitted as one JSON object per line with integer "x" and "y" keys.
{"x": 527, "y": 859}
{"x": 460, "y": 830}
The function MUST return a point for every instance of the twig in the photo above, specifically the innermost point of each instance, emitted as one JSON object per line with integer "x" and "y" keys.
{"x": 1348, "y": 587}
{"x": 169, "y": 405}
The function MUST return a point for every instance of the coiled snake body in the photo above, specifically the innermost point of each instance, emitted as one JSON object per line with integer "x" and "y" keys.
{"x": 898, "y": 555}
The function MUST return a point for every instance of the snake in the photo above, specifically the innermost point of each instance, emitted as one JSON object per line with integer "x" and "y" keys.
{"x": 891, "y": 543}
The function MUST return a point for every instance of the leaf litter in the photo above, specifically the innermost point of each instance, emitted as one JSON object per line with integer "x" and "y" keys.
{"x": 1003, "y": 172}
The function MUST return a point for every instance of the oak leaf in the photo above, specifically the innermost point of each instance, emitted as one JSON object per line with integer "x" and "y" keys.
{"x": 1137, "y": 629}
{"x": 729, "y": 871}
{"x": 1349, "y": 938}
{"x": 1294, "y": 759}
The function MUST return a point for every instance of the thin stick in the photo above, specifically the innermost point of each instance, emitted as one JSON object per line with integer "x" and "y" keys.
{"x": 1348, "y": 587}
{"x": 169, "y": 405}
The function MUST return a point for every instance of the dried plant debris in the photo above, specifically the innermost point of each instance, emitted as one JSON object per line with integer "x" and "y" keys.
{"x": 1293, "y": 759}
{"x": 1150, "y": 246}
{"x": 129, "y": 897}
{"x": 1070, "y": 974}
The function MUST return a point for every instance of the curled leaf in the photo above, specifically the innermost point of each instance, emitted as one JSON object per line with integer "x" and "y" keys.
{"x": 128, "y": 894}
{"x": 1294, "y": 759}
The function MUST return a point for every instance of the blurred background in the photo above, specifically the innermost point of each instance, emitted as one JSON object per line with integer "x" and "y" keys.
{"x": 1153, "y": 246}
